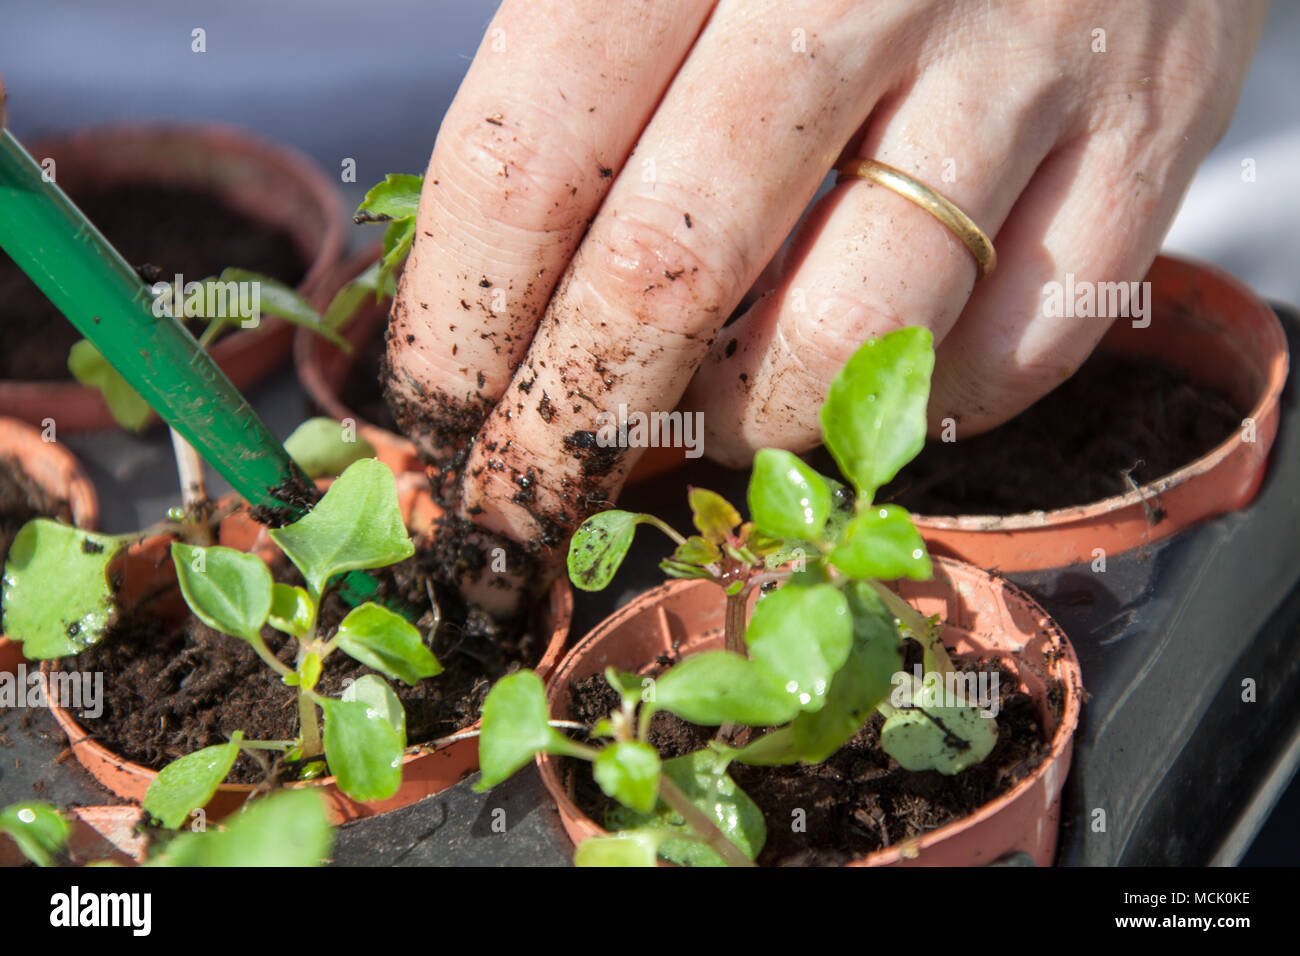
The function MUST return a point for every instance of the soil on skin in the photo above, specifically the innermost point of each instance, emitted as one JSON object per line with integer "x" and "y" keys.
{"x": 176, "y": 229}
{"x": 21, "y": 500}
{"x": 169, "y": 692}
{"x": 858, "y": 801}
{"x": 1116, "y": 419}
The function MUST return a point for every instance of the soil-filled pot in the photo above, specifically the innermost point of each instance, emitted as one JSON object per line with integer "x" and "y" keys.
{"x": 985, "y": 617}
{"x": 38, "y": 478}
{"x": 152, "y": 579}
{"x": 346, "y": 385}
{"x": 185, "y": 199}
{"x": 1215, "y": 338}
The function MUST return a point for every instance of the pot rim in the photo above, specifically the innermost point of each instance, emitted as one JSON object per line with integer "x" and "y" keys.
{"x": 1068, "y": 673}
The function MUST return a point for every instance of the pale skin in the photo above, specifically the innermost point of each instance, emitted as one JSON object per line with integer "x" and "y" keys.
{"x": 614, "y": 177}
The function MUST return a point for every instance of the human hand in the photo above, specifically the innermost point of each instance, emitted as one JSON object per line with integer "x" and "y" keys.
{"x": 612, "y": 178}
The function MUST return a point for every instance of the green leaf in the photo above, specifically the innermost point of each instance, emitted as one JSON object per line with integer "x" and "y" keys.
{"x": 226, "y": 589}
{"x": 125, "y": 404}
{"x": 397, "y": 243}
{"x": 286, "y": 828}
{"x": 697, "y": 551}
{"x": 774, "y": 749}
{"x": 347, "y": 301}
{"x": 187, "y": 784}
{"x": 946, "y": 739}
{"x": 372, "y": 691}
{"x": 675, "y": 569}
{"x": 862, "y": 683}
{"x": 397, "y": 197}
{"x": 363, "y": 749}
{"x": 357, "y": 525}
{"x": 786, "y": 497}
{"x": 873, "y": 421}
{"x": 719, "y": 687}
{"x": 276, "y": 298}
{"x": 291, "y": 610}
{"x": 801, "y": 634}
{"x": 309, "y": 669}
{"x": 598, "y": 548}
{"x": 387, "y": 642}
{"x": 515, "y": 728}
{"x": 627, "y": 684}
{"x": 702, "y": 777}
{"x": 48, "y": 558}
{"x": 323, "y": 446}
{"x": 628, "y": 848}
{"x": 37, "y": 828}
{"x": 882, "y": 543}
{"x": 714, "y": 516}
{"x": 628, "y": 771}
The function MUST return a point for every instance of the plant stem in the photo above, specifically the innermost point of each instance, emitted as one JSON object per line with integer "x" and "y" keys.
{"x": 189, "y": 467}
{"x": 919, "y": 627}
{"x": 734, "y": 630}
{"x": 309, "y": 725}
{"x": 664, "y": 527}
{"x": 704, "y": 828}
{"x": 270, "y": 659}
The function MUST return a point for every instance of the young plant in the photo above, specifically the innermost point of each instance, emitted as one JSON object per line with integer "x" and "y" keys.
{"x": 818, "y": 656}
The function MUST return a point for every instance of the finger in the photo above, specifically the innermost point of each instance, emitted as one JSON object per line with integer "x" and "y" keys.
{"x": 868, "y": 261}
{"x": 667, "y": 258}
{"x": 1094, "y": 214}
{"x": 550, "y": 108}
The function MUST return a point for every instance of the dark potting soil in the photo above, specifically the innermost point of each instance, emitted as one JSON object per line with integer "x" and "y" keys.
{"x": 178, "y": 230}
{"x": 361, "y": 389}
{"x": 171, "y": 691}
{"x": 858, "y": 801}
{"x": 1117, "y": 423}
{"x": 21, "y": 500}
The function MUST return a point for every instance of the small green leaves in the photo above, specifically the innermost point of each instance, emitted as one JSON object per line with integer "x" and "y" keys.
{"x": 378, "y": 638}
{"x": 37, "y": 828}
{"x": 394, "y": 201}
{"x": 226, "y": 589}
{"x": 873, "y": 421}
{"x": 702, "y": 777}
{"x": 786, "y": 497}
{"x": 322, "y": 446}
{"x": 348, "y": 299}
{"x": 291, "y": 610}
{"x": 882, "y": 543}
{"x": 124, "y": 403}
{"x": 629, "y": 772}
{"x": 598, "y": 548}
{"x": 48, "y": 558}
{"x": 626, "y": 848}
{"x": 801, "y": 634}
{"x": 713, "y": 515}
{"x": 719, "y": 687}
{"x": 357, "y": 525}
{"x": 515, "y": 728}
{"x": 946, "y": 739}
{"x": 363, "y": 748}
{"x": 187, "y": 784}
{"x": 273, "y": 298}
{"x": 287, "y": 828}
{"x": 379, "y": 697}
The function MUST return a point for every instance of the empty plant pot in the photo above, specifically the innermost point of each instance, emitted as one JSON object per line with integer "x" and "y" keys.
{"x": 1207, "y": 325}
{"x": 37, "y": 478}
{"x": 983, "y": 615}
{"x": 270, "y": 185}
{"x": 151, "y": 578}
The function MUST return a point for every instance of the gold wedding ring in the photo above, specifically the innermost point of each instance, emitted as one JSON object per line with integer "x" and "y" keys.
{"x": 943, "y": 209}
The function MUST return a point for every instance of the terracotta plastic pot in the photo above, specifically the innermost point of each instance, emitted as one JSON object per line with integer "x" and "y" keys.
{"x": 985, "y": 616}
{"x": 1207, "y": 324}
{"x": 55, "y": 470}
{"x": 267, "y": 182}
{"x": 323, "y": 368}
{"x": 148, "y": 576}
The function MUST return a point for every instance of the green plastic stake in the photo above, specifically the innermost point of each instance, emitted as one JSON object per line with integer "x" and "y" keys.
{"x": 93, "y": 286}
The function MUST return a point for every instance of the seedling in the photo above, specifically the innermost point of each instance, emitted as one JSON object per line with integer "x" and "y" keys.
{"x": 821, "y": 652}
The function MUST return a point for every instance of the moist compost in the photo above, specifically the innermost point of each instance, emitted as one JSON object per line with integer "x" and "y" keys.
{"x": 177, "y": 230}
{"x": 858, "y": 801}
{"x": 169, "y": 691}
{"x": 1118, "y": 423}
{"x": 21, "y": 500}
